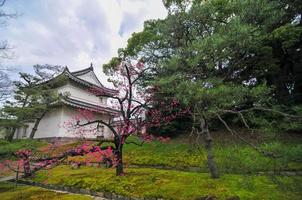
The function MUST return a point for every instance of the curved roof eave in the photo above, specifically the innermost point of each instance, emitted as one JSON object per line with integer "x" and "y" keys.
{"x": 73, "y": 77}
{"x": 85, "y": 71}
{"x": 84, "y": 105}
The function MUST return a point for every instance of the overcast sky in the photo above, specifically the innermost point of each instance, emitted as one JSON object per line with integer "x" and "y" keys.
{"x": 73, "y": 33}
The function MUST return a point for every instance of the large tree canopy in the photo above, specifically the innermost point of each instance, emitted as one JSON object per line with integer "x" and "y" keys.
{"x": 225, "y": 53}
{"x": 224, "y": 57}
{"x": 32, "y": 98}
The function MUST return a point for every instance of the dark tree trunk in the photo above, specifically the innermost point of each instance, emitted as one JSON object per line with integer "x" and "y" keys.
{"x": 209, "y": 148}
{"x": 26, "y": 166}
{"x": 10, "y": 137}
{"x": 35, "y": 128}
{"x": 119, "y": 157}
{"x": 287, "y": 79}
{"x": 210, "y": 156}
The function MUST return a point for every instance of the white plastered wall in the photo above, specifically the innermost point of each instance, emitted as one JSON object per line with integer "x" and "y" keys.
{"x": 82, "y": 94}
{"x": 90, "y": 77}
{"x": 69, "y": 112}
{"x": 49, "y": 125}
{"x": 52, "y": 125}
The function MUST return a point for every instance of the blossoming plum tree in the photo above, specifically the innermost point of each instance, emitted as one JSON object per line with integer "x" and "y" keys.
{"x": 134, "y": 110}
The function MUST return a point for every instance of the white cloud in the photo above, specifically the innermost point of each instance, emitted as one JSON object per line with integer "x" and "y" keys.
{"x": 74, "y": 32}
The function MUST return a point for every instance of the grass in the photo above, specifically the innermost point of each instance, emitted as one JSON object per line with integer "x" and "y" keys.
{"x": 238, "y": 163}
{"x": 169, "y": 184}
{"x": 8, "y": 191}
{"x": 7, "y": 148}
{"x": 231, "y": 158}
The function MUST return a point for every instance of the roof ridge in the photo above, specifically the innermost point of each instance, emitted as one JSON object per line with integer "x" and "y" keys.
{"x": 75, "y": 78}
{"x": 83, "y": 71}
{"x": 86, "y": 71}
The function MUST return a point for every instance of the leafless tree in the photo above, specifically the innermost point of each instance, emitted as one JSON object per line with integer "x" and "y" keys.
{"x": 5, "y": 53}
{"x": 5, "y": 83}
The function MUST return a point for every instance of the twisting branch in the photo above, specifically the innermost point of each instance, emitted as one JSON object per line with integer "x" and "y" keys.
{"x": 99, "y": 122}
{"x": 267, "y": 110}
{"x": 138, "y": 144}
{"x": 243, "y": 120}
{"x": 265, "y": 153}
{"x": 2, "y": 3}
{"x": 239, "y": 113}
{"x": 12, "y": 169}
{"x": 138, "y": 107}
{"x": 141, "y": 74}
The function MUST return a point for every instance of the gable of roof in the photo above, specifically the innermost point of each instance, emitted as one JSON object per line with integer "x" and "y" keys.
{"x": 75, "y": 76}
{"x": 83, "y": 71}
{"x": 88, "y": 75}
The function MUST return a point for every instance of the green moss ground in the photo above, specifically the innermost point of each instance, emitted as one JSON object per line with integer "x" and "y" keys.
{"x": 231, "y": 158}
{"x": 8, "y": 191}
{"x": 171, "y": 184}
{"x": 7, "y": 148}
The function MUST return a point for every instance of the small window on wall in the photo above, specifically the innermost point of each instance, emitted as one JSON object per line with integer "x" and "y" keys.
{"x": 102, "y": 129}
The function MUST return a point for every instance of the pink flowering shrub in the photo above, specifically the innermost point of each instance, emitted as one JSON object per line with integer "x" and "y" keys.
{"x": 132, "y": 112}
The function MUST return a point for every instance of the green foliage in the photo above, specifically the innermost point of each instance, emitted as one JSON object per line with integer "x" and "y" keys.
{"x": 288, "y": 35}
{"x": 221, "y": 54}
{"x": 33, "y": 97}
{"x": 169, "y": 184}
{"x": 8, "y": 191}
{"x": 114, "y": 62}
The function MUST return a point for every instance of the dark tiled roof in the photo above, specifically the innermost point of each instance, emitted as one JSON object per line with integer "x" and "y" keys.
{"x": 84, "y": 105}
{"x": 70, "y": 75}
{"x": 73, "y": 76}
{"x": 82, "y": 71}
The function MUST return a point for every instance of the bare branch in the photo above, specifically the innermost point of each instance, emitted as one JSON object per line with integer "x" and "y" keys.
{"x": 2, "y": 3}
{"x": 265, "y": 153}
{"x": 138, "y": 144}
{"x": 264, "y": 109}
{"x": 102, "y": 122}
{"x": 239, "y": 114}
{"x": 12, "y": 169}
{"x": 140, "y": 75}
